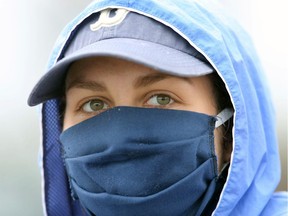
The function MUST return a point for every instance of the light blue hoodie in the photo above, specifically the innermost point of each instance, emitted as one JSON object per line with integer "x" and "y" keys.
{"x": 255, "y": 169}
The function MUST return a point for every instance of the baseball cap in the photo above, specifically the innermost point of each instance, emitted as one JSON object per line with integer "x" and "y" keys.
{"x": 127, "y": 35}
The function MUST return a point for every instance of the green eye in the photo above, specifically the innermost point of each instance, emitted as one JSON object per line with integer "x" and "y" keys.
{"x": 94, "y": 105}
{"x": 163, "y": 99}
{"x": 160, "y": 100}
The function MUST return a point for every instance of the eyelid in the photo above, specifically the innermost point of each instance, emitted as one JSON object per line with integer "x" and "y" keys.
{"x": 149, "y": 102}
{"x": 86, "y": 106}
{"x": 147, "y": 96}
{"x": 82, "y": 102}
{"x": 173, "y": 96}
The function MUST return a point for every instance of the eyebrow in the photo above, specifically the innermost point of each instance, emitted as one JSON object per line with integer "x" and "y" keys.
{"x": 150, "y": 79}
{"x": 90, "y": 85}
{"x": 140, "y": 82}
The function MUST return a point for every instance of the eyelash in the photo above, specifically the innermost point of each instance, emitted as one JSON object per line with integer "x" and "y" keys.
{"x": 151, "y": 95}
{"x": 174, "y": 99}
{"x": 82, "y": 103}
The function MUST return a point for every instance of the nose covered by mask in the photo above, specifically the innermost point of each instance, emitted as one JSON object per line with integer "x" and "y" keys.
{"x": 137, "y": 161}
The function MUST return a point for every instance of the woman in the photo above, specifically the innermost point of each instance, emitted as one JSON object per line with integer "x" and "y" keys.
{"x": 193, "y": 69}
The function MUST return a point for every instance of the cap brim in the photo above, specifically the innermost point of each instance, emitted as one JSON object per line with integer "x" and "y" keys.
{"x": 171, "y": 61}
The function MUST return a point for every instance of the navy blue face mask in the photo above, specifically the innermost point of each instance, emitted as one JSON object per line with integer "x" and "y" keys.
{"x": 137, "y": 161}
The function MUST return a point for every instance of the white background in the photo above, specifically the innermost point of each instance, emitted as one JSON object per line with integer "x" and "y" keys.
{"x": 29, "y": 29}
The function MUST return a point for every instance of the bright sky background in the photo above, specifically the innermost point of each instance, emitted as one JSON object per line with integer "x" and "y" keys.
{"x": 28, "y": 31}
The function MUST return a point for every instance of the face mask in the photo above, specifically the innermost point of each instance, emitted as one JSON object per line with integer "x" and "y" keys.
{"x": 138, "y": 161}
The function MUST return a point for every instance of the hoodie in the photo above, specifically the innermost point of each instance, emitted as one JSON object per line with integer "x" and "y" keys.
{"x": 254, "y": 172}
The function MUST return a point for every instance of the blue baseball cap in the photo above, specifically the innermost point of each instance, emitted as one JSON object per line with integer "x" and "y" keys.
{"x": 126, "y": 35}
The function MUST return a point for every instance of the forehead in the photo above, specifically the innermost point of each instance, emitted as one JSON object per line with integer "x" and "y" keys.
{"x": 118, "y": 72}
{"x": 104, "y": 67}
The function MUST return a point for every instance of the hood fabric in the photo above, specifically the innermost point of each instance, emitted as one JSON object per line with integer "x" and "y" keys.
{"x": 254, "y": 172}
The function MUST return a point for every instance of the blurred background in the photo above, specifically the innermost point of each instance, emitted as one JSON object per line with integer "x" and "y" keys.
{"x": 29, "y": 29}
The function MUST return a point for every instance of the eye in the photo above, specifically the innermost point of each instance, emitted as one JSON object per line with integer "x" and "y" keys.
{"x": 160, "y": 100}
{"x": 94, "y": 105}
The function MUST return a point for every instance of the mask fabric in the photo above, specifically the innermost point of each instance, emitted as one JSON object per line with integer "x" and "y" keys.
{"x": 138, "y": 161}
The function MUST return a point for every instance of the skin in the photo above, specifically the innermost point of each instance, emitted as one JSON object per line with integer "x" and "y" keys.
{"x": 96, "y": 84}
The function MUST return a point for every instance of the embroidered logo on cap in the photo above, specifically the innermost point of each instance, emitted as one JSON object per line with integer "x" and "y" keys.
{"x": 106, "y": 19}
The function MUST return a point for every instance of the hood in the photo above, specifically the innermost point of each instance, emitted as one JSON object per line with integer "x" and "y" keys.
{"x": 254, "y": 172}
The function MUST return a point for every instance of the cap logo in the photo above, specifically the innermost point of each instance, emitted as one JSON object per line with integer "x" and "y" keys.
{"x": 107, "y": 20}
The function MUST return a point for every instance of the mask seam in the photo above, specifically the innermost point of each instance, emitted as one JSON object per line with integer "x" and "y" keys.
{"x": 212, "y": 146}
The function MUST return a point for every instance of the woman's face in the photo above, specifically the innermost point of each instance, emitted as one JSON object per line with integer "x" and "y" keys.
{"x": 94, "y": 85}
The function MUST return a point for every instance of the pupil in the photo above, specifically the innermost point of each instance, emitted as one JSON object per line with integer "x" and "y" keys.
{"x": 96, "y": 105}
{"x": 163, "y": 99}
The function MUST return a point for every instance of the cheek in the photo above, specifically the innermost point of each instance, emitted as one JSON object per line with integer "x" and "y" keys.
{"x": 70, "y": 118}
{"x": 200, "y": 96}
{"x": 67, "y": 121}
